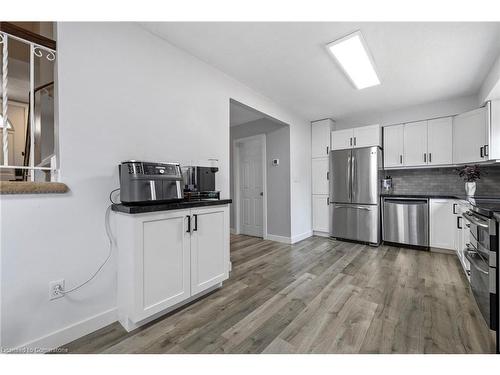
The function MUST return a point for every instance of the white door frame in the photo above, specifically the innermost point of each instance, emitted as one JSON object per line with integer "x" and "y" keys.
{"x": 236, "y": 172}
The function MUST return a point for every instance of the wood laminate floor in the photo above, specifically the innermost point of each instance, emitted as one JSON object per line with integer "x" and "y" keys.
{"x": 317, "y": 296}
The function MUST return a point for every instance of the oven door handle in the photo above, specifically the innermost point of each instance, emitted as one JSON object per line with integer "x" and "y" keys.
{"x": 474, "y": 262}
{"x": 474, "y": 220}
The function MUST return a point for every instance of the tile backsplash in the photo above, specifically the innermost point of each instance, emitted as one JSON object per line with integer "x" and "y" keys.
{"x": 443, "y": 181}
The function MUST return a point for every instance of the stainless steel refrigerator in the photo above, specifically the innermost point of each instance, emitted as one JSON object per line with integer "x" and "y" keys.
{"x": 354, "y": 192}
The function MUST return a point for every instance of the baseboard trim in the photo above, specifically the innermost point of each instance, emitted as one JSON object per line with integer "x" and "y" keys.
{"x": 321, "y": 234}
{"x": 232, "y": 231}
{"x": 67, "y": 334}
{"x": 282, "y": 239}
{"x": 302, "y": 236}
{"x": 442, "y": 251}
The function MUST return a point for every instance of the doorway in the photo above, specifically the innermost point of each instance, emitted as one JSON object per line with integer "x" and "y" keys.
{"x": 250, "y": 185}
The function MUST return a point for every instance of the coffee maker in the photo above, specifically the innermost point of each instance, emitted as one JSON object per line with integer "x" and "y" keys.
{"x": 199, "y": 183}
{"x": 149, "y": 182}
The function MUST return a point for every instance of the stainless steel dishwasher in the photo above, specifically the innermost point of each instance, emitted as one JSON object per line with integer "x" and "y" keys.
{"x": 406, "y": 221}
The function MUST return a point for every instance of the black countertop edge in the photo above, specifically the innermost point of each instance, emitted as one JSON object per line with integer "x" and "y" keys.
{"x": 167, "y": 206}
{"x": 438, "y": 196}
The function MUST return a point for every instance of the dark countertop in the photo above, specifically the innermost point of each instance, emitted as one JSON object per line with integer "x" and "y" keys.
{"x": 167, "y": 206}
{"x": 437, "y": 196}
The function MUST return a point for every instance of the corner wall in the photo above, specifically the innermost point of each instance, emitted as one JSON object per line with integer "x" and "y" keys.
{"x": 123, "y": 94}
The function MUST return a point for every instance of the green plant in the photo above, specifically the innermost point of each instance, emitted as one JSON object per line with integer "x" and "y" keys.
{"x": 469, "y": 173}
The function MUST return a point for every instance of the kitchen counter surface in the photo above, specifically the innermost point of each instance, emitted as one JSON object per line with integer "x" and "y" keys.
{"x": 437, "y": 196}
{"x": 118, "y": 207}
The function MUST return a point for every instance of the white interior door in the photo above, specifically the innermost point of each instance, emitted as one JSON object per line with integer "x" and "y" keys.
{"x": 251, "y": 186}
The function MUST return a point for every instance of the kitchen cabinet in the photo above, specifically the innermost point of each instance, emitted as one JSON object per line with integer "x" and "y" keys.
{"x": 470, "y": 137}
{"x": 393, "y": 146}
{"x": 461, "y": 234}
{"x": 209, "y": 248}
{"x": 442, "y": 223}
{"x": 415, "y": 144}
{"x": 494, "y": 125}
{"x": 440, "y": 141}
{"x": 320, "y": 138}
{"x": 167, "y": 258}
{"x": 320, "y": 176}
{"x": 364, "y": 136}
{"x": 321, "y": 213}
{"x": 342, "y": 139}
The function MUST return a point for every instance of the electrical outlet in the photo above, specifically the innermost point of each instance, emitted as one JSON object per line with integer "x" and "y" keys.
{"x": 54, "y": 287}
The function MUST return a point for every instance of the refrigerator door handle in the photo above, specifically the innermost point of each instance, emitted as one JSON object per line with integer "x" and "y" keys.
{"x": 348, "y": 180}
{"x": 354, "y": 181}
{"x": 354, "y": 207}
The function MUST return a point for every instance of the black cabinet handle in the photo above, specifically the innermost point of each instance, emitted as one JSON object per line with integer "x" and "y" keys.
{"x": 327, "y": 175}
{"x": 327, "y": 150}
{"x": 189, "y": 224}
{"x": 458, "y": 222}
{"x": 354, "y": 141}
{"x": 481, "y": 152}
{"x": 400, "y": 159}
{"x": 430, "y": 157}
{"x": 195, "y": 223}
{"x": 486, "y": 150}
{"x": 455, "y": 208}
{"x": 350, "y": 141}
{"x": 425, "y": 157}
{"x": 327, "y": 201}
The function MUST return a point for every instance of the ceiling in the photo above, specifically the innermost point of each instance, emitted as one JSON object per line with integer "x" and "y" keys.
{"x": 240, "y": 114}
{"x": 288, "y": 62}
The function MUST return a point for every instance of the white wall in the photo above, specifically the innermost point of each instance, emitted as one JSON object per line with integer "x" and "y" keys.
{"x": 408, "y": 114}
{"x": 490, "y": 88}
{"x": 278, "y": 177}
{"x": 123, "y": 93}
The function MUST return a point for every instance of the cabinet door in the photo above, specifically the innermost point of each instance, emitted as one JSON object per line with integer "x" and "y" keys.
{"x": 321, "y": 213}
{"x": 470, "y": 134}
{"x": 393, "y": 146}
{"x": 320, "y": 176}
{"x": 320, "y": 138}
{"x": 442, "y": 224}
{"x": 415, "y": 143}
{"x": 162, "y": 267}
{"x": 440, "y": 141}
{"x": 209, "y": 247}
{"x": 366, "y": 136}
{"x": 342, "y": 139}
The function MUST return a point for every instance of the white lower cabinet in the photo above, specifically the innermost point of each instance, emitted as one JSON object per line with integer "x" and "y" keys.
{"x": 320, "y": 176}
{"x": 461, "y": 234}
{"x": 442, "y": 223}
{"x": 321, "y": 213}
{"x": 167, "y": 258}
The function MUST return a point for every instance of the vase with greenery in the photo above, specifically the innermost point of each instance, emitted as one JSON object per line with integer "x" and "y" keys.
{"x": 470, "y": 173}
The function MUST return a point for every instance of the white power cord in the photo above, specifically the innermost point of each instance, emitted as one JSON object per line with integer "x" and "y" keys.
{"x": 112, "y": 242}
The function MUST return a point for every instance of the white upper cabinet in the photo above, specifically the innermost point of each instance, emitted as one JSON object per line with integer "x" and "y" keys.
{"x": 470, "y": 136}
{"x": 342, "y": 139}
{"x": 367, "y": 136}
{"x": 320, "y": 176}
{"x": 494, "y": 143}
{"x": 440, "y": 141}
{"x": 364, "y": 136}
{"x": 393, "y": 146}
{"x": 415, "y": 143}
{"x": 320, "y": 138}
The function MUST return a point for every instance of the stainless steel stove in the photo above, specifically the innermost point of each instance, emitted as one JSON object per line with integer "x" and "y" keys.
{"x": 482, "y": 253}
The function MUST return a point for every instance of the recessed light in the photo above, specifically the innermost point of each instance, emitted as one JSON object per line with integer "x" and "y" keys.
{"x": 353, "y": 56}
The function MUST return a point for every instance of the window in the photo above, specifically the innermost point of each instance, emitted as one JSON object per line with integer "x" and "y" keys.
{"x": 29, "y": 146}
